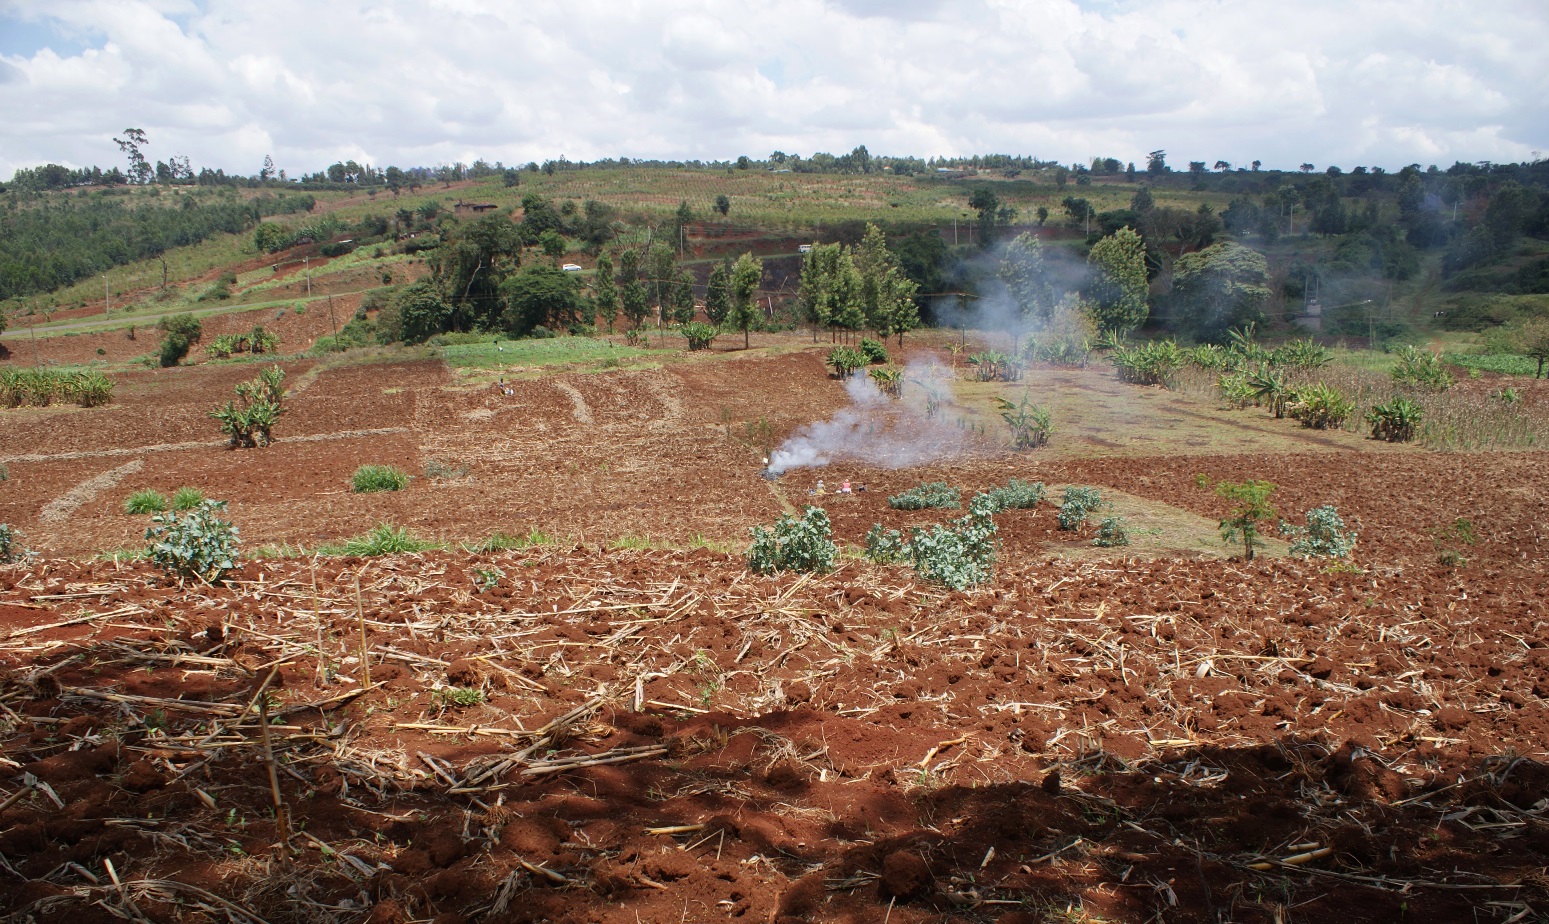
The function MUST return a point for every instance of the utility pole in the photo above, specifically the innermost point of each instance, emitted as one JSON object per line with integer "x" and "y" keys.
{"x": 107, "y": 297}
{"x": 306, "y": 263}
{"x": 334, "y": 321}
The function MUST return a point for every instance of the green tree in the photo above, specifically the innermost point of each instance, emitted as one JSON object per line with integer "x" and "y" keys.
{"x": 606, "y": 293}
{"x": 636, "y": 302}
{"x": 1117, "y": 288}
{"x": 992, "y": 215}
{"x": 661, "y": 271}
{"x": 745, "y": 277}
{"x": 1533, "y": 341}
{"x": 1218, "y": 288}
{"x": 472, "y": 263}
{"x": 722, "y": 204}
{"x": 139, "y": 168}
{"x": 421, "y": 311}
{"x": 830, "y": 292}
{"x": 552, "y": 243}
{"x": 1027, "y": 278}
{"x": 1252, "y": 507}
{"x": 886, "y": 294}
{"x": 1156, "y": 163}
{"x": 539, "y": 295}
{"x": 629, "y": 266}
{"x": 718, "y": 293}
{"x": 683, "y": 297}
{"x": 270, "y": 237}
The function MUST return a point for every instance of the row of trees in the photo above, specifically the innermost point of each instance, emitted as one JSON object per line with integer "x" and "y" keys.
{"x": 861, "y": 288}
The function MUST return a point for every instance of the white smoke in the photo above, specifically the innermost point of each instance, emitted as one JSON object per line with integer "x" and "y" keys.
{"x": 876, "y": 430}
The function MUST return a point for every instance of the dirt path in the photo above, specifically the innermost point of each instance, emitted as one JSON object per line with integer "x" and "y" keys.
{"x": 60, "y": 508}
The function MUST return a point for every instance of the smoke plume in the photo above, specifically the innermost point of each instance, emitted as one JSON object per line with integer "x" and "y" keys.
{"x": 876, "y": 430}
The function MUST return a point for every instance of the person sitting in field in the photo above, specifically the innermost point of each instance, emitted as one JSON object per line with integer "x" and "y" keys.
{"x": 820, "y": 490}
{"x": 844, "y": 488}
{"x": 504, "y": 388}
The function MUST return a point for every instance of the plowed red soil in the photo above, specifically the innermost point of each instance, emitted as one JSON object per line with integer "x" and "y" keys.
{"x": 581, "y": 733}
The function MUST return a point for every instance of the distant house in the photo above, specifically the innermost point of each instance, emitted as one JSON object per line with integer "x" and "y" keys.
{"x": 474, "y": 207}
{"x": 804, "y": 248}
{"x": 571, "y": 267}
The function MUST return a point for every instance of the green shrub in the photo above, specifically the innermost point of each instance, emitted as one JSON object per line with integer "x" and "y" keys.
{"x": 146, "y": 501}
{"x": 250, "y": 422}
{"x": 1320, "y": 407}
{"x": 1252, "y": 507}
{"x": 794, "y": 544}
{"x": 1305, "y": 354}
{"x": 1030, "y": 424}
{"x": 889, "y": 380}
{"x": 845, "y": 360}
{"x": 934, "y": 494}
{"x": 1422, "y": 369}
{"x": 699, "y": 334}
{"x": 199, "y": 544}
{"x": 961, "y": 553}
{"x": 5, "y": 473}
{"x": 1112, "y": 532}
{"x": 453, "y": 697}
{"x": 369, "y": 479}
{"x": 88, "y": 389}
{"x": 1147, "y": 364}
{"x": 1076, "y": 505}
{"x": 995, "y": 366}
{"x": 875, "y": 353}
{"x": 1210, "y": 357}
{"x": 179, "y": 333}
{"x": 1396, "y": 421}
{"x": 1016, "y": 495}
{"x": 886, "y": 546}
{"x": 1324, "y": 536}
{"x": 385, "y": 540}
{"x": 187, "y": 498}
{"x": 11, "y": 544}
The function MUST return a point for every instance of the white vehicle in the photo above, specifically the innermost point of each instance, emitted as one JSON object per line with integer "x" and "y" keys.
{"x": 571, "y": 267}
{"x": 804, "y": 248}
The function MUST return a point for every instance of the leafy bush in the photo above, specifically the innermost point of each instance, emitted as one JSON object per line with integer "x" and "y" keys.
{"x": 385, "y": 540}
{"x": 1210, "y": 357}
{"x": 453, "y": 697}
{"x": 845, "y": 360}
{"x": 1324, "y": 536}
{"x": 1077, "y": 504}
{"x": 250, "y": 422}
{"x": 179, "y": 333}
{"x": 1396, "y": 421}
{"x": 961, "y": 553}
{"x": 1111, "y": 532}
{"x": 995, "y": 366}
{"x": 187, "y": 498}
{"x": 886, "y": 546}
{"x": 1147, "y": 364}
{"x": 1030, "y": 424}
{"x": 1422, "y": 369}
{"x": 889, "y": 380}
{"x": 88, "y": 389}
{"x": 1235, "y": 389}
{"x": 1321, "y": 407}
{"x": 10, "y": 544}
{"x": 1268, "y": 386}
{"x": 1305, "y": 354}
{"x": 1015, "y": 495}
{"x": 199, "y": 544}
{"x": 794, "y": 544}
{"x": 146, "y": 501}
{"x": 934, "y": 494}
{"x": 875, "y": 353}
{"x": 699, "y": 334}
{"x": 372, "y": 478}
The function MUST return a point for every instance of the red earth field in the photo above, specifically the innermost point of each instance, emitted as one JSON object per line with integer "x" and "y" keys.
{"x": 585, "y": 730}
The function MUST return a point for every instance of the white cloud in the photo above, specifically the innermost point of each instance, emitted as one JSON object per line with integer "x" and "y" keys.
{"x": 228, "y": 81}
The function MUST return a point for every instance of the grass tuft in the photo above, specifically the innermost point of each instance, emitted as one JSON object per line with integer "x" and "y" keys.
{"x": 146, "y": 501}
{"x": 187, "y": 498}
{"x": 369, "y": 479}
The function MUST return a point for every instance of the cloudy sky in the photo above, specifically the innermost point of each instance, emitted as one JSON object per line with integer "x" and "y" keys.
{"x": 226, "y": 82}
